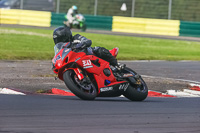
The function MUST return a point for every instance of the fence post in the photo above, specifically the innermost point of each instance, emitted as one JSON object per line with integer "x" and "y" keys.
{"x": 21, "y": 4}
{"x": 133, "y": 8}
{"x": 170, "y": 9}
{"x": 95, "y": 7}
{"x": 58, "y": 6}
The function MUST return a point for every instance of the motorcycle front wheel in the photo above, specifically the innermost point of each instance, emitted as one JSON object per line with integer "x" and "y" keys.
{"x": 83, "y": 90}
{"x": 138, "y": 90}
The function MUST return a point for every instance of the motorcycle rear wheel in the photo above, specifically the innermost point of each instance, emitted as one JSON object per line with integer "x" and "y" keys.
{"x": 78, "y": 88}
{"x": 136, "y": 92}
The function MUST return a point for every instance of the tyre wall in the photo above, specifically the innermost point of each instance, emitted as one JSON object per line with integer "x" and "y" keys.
{"x": 25, "y": 17}
{"x": 146, "y": 26}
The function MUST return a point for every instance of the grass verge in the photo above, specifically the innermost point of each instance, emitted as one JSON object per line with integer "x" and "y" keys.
{"x": 37, "y": 44}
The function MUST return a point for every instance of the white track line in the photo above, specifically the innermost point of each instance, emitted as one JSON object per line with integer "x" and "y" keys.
{"x": 192, "y": 92}
{"x": 195, "y": 85}
{"x": 181, "y": 93}
{"x": 9, "y": 91}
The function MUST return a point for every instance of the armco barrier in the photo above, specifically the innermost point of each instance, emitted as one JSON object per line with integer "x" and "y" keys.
{"x": 190, "y": 29}
{"x": 25, "y": 17}
{"x": 99, "y": 22}
{"x": 9, "y": 16}
{"x": 57, "y": 19}
{"x": 92, "y": 22}
{"x": 146, "y": 26}
{"x": 35, "y": 18}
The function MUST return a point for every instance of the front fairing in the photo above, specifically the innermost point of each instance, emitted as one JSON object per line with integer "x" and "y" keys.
{"x": 64, "y": 57}
{"x": 59, "y": 57}
{"x": 58, "y": 49}
{"x": 80, "y": 18}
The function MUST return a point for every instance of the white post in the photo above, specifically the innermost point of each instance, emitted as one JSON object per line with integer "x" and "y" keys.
{"x": 58, "y": 6}
{"x": 133, "y": 8}
{"x": 21, "y": 4}
{"x": 95, "y": 7}
{"x": 169, "y": 9}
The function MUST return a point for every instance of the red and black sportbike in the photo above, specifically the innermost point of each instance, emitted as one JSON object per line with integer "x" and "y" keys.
{"x": 88, "y": 76}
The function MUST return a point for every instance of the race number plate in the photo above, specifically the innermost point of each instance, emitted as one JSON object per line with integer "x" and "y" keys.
{"x": 87, "y": 64}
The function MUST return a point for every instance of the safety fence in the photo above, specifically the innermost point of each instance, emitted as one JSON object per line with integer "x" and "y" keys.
{"x": 110, "y": 23}
{"x": 187, "y": 10}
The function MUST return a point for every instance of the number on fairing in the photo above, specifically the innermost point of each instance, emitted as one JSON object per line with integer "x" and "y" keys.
{"x": 87, "y": 64}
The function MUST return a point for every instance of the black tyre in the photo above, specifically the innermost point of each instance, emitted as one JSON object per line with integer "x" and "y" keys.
{"x": 136, "y": 92}
{"x": 83, "y": 90}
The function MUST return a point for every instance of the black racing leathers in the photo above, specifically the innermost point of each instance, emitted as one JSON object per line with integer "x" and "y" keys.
{"x": 103, "y": 53}
{"x": 100, "y": 52}
{"x": 81, "y": 40}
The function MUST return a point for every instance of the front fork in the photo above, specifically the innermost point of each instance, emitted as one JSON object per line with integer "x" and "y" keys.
{"x": 79, "y": 73}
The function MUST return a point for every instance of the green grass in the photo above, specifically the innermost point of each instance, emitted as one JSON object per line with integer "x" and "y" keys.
{"x": 37, "y": 44}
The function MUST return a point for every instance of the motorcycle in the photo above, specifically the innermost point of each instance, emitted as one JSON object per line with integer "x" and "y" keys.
{"x": 78, "y": 23}
{"x": 88, "y": 76}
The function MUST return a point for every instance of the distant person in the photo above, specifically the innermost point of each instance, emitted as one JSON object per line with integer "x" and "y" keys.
{"x": 71, "y": 15}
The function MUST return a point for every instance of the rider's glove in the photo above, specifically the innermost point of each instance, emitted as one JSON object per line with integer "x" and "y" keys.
{"x": 81, "y": 45}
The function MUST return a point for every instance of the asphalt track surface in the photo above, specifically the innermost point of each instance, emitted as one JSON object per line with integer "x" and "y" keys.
{"x": 59, "y": 114}
{"x": 177, "y": 70}
{"x": 62, "y": 114}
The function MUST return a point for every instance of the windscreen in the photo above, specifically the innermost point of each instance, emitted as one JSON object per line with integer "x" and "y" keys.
{"x": 59, "y": 46}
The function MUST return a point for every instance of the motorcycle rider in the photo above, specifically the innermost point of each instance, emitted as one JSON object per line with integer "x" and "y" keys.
{"x": 62, "y": 35}
{"x": 71, "y": 15}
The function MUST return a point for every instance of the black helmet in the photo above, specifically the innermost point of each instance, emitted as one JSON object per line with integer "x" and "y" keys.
{"x": 62, "y": 34}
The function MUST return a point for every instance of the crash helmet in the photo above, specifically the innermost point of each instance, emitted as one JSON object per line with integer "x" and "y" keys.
{"x": 62, "y": 34}
{"x": 74, "y": 7}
